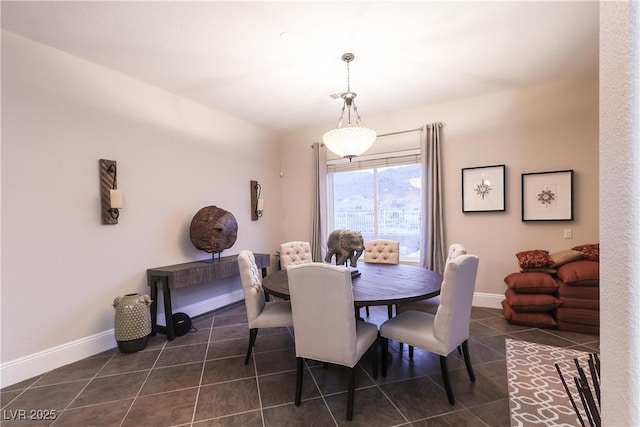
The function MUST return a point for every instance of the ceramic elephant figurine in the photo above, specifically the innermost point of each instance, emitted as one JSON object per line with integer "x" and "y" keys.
{"x": 345, "y": 245}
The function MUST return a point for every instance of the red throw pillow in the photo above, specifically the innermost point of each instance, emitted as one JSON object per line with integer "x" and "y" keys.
{"x": 538, "y": 320}
{"x": 586, "y": 317}
{"x": 584, "y": 292}
{"x": 532, "y": 283}
{"x": 536, "y": 258}
{"x": 531, "y": 302}
{"x": 581, "y": 304}
{"x": 580, "y": 273}
{"x": 591, "y": 251}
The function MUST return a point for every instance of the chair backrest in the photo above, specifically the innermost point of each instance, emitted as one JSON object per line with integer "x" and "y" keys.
{"x": 382, "y": 251}
{"x": 455, "y": 250}
{"x": 451, "y": 323}
{"x": 323, "y": 312}
{"x": 251, "y": 278}
{"x": 293, "y": 253}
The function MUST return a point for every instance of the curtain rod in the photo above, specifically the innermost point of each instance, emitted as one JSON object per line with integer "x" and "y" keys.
{"x": 407, "y": 131}
{"x": 400, "y": 131}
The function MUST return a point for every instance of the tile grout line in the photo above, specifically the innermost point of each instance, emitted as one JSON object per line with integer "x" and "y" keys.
{"x": 204, "y": 365}
{"x": 83, "y": 388}
{"x": 375, "y": 382}
{"x": 255, "y": 371}
{"x": 155, "y": 362}
{"x": 322, "y": 396}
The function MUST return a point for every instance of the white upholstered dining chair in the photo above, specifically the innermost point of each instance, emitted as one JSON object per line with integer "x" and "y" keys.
{"x": 260, "y": 312}
{"x": 382, "y": 251}
{"x": 447, "y": 329}
{"x": 430, "y": 305}
{"x": 295, "y": 252}
{"x": 324, "y": 324}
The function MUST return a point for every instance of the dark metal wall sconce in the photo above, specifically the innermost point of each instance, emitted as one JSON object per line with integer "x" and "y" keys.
{"x": 110, "y": 196}
{"x": 257, "y": 204}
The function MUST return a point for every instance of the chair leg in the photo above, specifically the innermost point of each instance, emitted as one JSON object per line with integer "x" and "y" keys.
{"x": 299, "y": 374}
{"x": 467, "y": 360}
{"x": 384, "y": 344}
{"x": 410, "y": 352}
{"x": 401, "y": 345}
{"x": 445, "y": 379}
{"x": 350, "y": 393}
{"x": 252, "y": 339}
{"x": 366, "y": 307}
{"x": 374, "y": 349}
{"x": 390, "y": 311}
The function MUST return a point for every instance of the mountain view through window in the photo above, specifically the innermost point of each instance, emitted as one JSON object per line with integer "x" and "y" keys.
{"x": 381, "y": 203}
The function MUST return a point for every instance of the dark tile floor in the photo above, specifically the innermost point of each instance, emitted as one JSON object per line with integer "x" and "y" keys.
{"x": 200, "y": 380}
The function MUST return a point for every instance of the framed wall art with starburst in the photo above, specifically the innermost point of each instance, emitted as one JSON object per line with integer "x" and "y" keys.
{"x": 483, "y": 189}
{"x": 547, "y": 196}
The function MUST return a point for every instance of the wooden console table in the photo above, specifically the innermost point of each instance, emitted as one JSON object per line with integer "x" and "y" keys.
{"x": 187, "y": 274}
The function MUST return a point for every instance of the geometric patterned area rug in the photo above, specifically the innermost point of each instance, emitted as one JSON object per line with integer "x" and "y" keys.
{"x": 536, "y": 394}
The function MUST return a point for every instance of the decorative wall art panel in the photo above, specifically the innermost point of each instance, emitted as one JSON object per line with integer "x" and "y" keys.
{"x": 483, "y": 189}
{"x": 547, "y": 196}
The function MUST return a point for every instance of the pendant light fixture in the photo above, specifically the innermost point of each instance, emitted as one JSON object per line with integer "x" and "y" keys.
{"x": 351, "y": 139}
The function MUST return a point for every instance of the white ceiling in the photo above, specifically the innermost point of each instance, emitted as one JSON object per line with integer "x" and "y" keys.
{"x": 233, "y": 56}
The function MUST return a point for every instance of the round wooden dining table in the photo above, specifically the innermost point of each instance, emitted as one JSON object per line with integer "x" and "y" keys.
{"x": 376, "y": 284}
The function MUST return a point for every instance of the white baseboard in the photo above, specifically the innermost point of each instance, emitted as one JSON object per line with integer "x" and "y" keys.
{"x": 23, "y": 368}
{"x": 487, "y": 300}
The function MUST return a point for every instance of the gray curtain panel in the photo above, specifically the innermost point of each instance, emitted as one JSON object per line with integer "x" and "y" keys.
{"x": 319, "y": 220}
{"x": 433, "y": 242}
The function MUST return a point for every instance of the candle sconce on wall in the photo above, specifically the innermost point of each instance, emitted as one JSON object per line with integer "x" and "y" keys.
{"x": 110, "y": 196}
{"x": 257, "y": 204}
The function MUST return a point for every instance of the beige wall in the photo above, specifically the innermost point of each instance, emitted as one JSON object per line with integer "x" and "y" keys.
{"x": 544, "y": 128}
{"x": 61, "y": 268}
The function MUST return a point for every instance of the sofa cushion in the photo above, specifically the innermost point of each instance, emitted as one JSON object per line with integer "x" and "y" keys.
{"x": 531, "y": 302}
{"x": 579, "y": 327}
{"x": 580, "y": 303}
{"x": 580, "y": 273}
{"x": 538, "y": 320}
{"x": 563, "y": 257}
{"x": 534, "y": 259}
{"x": 548, "y": 270}
{"x": 576, "y": 315}
{"x": 532, "y": 283}
{"x": 582, "y": 292}
{"x": 591, "y": 251}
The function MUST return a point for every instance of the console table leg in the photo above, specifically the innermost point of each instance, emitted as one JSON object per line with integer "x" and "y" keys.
{"x": 154, "y": 306}
{"x": 168, "y": 314}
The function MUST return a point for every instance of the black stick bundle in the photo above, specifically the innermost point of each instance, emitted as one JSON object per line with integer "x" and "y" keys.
{"x": 589, "y": 404}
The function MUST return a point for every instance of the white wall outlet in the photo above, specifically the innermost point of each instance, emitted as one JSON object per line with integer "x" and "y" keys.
{"x": 568, "y": 233}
